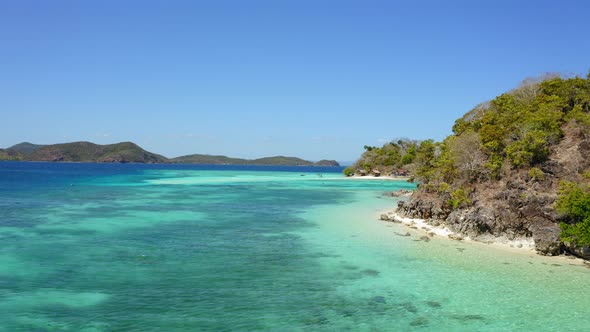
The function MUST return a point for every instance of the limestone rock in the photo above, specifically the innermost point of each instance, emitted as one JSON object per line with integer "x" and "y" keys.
{"x": 580, "y": 251}
{"x": 546, "y": 237}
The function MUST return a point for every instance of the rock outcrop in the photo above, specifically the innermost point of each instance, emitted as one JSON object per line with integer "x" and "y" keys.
{"x": 513, "y": 211}
{"x": 546, "y": 236}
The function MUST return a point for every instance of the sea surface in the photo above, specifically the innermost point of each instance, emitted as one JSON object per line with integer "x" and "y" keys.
{"x": 120, "y": 247}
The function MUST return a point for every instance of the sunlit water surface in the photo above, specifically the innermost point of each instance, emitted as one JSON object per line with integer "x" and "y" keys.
{"x": 198, "y": 248}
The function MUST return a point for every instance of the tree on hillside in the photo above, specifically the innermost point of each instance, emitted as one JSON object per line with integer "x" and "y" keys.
{"x": 467, "y": 155}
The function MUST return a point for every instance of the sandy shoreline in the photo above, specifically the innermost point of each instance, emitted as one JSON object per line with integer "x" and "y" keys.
{"x": 382, "y": 177}
{"x": 519, "y": 245}
{"x": 522, "y": 245}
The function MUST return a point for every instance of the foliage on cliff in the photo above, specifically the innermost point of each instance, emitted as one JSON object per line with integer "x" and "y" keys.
{"x": 391, "y": 157}
{"x": 537, "y": 133}
{"x": 516, "y": 130}
{"x": 517, "y": 165}
{"x": 574, "y": 202}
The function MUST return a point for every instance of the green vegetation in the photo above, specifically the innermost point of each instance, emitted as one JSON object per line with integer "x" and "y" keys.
{"x": 514, "y": 132}
{"x": 510, "y": 145}
{"x": 348, "y": 171}
{"x": 574, "y": 202}
{"x": 536, "y": 174}
{"x": 390, "y": 158}
{"x": 125, "y": 152}
{"x": 25, "y": 147}
{"x": 8, "y": 154}
{"x": 518, "y": 128}
{"x": 459, "y": 198}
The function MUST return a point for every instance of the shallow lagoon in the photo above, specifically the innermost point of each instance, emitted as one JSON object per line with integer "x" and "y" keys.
{"x": 149, "y": 248}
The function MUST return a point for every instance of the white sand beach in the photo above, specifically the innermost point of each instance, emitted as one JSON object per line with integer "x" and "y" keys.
{"x": 522, "y": 245}
{"x": 381, "y": 177}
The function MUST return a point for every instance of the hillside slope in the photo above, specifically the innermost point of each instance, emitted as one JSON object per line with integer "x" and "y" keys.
{"x": 517, "y": 166}
{"x": 25, "y": 147}
{"x": 125, "y": 152}
{"x": 8, "y": 154}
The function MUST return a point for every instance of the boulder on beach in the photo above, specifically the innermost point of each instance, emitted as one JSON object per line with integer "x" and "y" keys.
{"x": 546, "y": 237}
{"x": 455, "y": 237}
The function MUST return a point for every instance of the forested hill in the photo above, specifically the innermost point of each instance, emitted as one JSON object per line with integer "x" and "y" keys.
{"x": 518, "y": 165}
{"x": 25, "y": 148}
{"x": 125, "y": 152}
{"x": 128, "y": 152}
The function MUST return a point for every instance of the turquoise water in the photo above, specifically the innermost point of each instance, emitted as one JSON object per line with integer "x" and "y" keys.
{"x": 130, "y": 248}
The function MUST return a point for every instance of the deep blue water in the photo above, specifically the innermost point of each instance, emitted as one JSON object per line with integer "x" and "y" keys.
{"x": 16, "y": 175}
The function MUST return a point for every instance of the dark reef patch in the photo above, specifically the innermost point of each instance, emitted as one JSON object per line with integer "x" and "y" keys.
{"x": 433, "y": 304}
{"x": 371, "y": 272}
{"x": 378, "y": 299}
{"x": 409, "y": 307}
{"x": 466, "y": 318}
{"x": 420, "y": 321}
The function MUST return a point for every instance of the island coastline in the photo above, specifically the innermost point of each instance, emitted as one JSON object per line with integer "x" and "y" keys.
{"x": 522, "y": 245}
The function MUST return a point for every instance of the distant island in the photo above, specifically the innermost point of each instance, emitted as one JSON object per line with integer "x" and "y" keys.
{"x": 128, "y": 152}
{"x": 205, "y": 159}
{"x": 125, "y": 152}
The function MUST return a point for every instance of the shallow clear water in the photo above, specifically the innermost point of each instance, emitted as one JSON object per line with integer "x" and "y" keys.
{"x": 170, "y": 248}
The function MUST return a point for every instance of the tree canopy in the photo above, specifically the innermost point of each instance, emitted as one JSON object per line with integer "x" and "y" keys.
{"x": 391, "y": 157}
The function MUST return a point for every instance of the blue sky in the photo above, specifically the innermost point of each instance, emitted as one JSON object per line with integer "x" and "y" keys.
{"x": 315, "y": 79}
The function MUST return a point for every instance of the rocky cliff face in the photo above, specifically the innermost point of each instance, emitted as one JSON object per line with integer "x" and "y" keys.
{"x": 516, "y": 206}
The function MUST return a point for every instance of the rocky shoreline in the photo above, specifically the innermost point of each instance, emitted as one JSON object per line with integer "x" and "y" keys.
{"x": 483, "y": 225}
{"x": 433, "y": 228}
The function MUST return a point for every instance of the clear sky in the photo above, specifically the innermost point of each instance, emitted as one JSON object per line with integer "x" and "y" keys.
{"x": 308, "y": 78}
